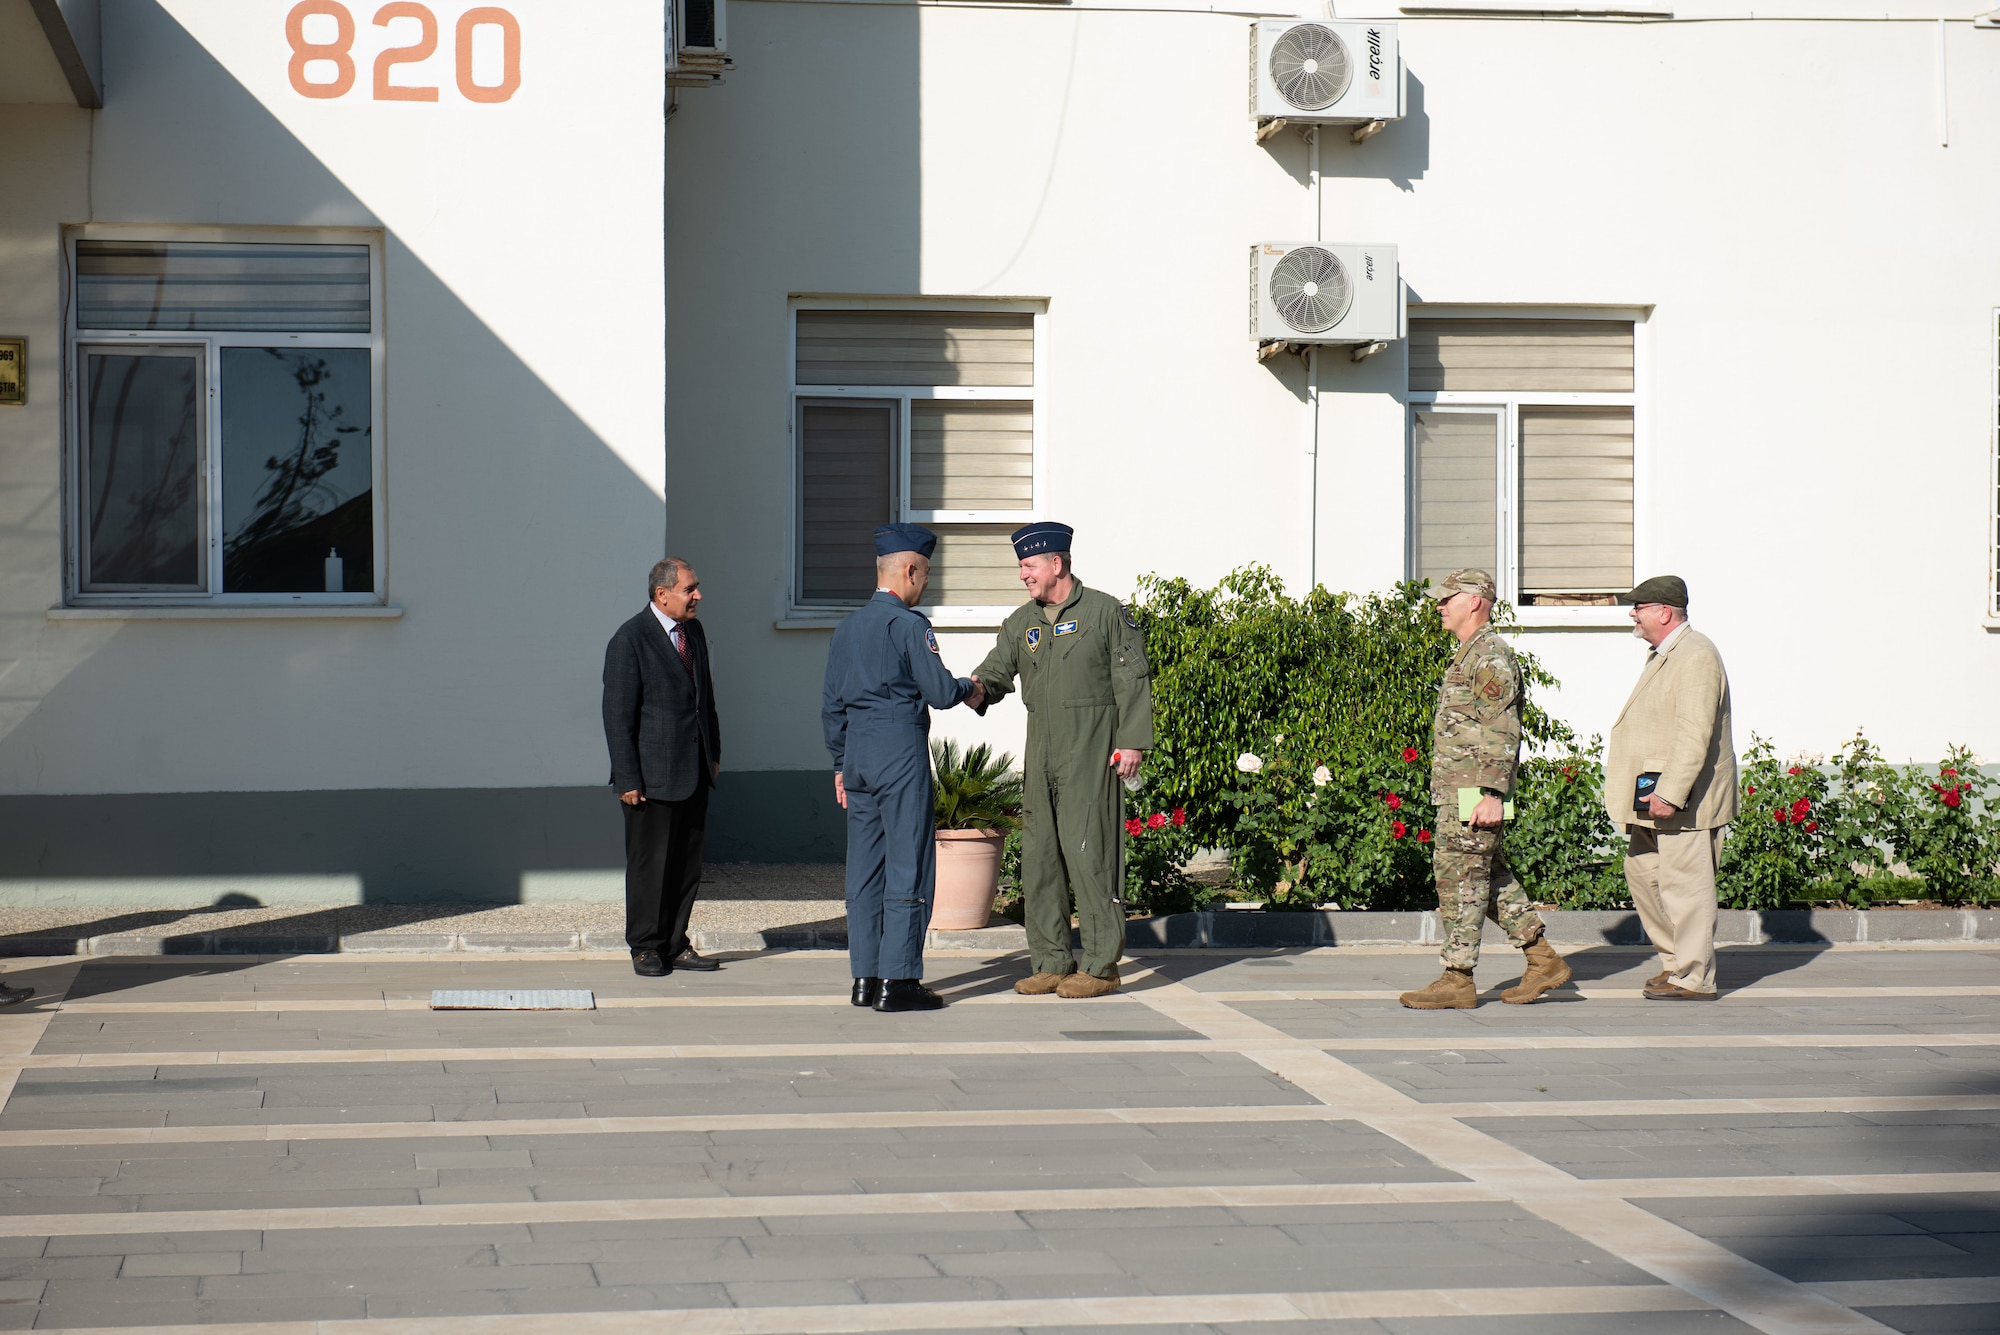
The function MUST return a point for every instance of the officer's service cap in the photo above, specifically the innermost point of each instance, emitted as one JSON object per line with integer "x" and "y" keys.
{"x": 1037, "y": 539}
{"x": 1475, "y": 582}
{"x": 1669, "y": 589}
{"x": 893, "y": 538}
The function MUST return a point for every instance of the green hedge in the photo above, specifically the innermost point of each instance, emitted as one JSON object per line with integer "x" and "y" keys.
{"x": 1331, "y": 695}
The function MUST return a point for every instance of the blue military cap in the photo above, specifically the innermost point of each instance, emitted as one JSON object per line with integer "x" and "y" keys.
{"x": 893, "y": 538}
{"x": 1046, "y": 536}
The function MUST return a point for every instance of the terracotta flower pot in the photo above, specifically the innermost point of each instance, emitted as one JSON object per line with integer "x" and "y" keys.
{"x": 968, "y": 879}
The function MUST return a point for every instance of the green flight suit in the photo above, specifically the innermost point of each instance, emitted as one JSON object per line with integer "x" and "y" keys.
{"x": 1088, "y": 690}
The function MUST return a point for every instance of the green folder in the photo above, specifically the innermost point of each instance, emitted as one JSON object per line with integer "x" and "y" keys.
{"x": 1468, "y": 798}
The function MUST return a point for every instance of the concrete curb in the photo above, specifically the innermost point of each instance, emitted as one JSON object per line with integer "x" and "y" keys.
{"x": 1212, "y": 930}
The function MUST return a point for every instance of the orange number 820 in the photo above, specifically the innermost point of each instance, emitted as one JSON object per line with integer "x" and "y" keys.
{"x": 340, "y": 51}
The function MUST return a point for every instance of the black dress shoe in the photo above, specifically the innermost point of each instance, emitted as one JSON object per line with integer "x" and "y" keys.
{"x": 687, "y": 959}
{"x": 907, "y": 994}
{"x": 14, "y": 996}
{"x": 867, "y": 991}
{"x": 648, "y": 964}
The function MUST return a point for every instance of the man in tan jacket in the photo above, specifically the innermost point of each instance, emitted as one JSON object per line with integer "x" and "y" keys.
{"x": 1670, "y": 780}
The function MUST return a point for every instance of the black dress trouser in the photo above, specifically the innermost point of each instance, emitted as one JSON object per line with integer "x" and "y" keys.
{"x": 662, "y": 870}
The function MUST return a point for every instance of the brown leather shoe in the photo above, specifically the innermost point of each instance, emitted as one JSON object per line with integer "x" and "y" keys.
{"x": 1453, "y": 991}
{"x": 1674, "y": 992}
{"x": 1039, "y": 984}
{"x": 1081, "y": 984}
{"x": 1655, "y": 980}
{"x": 1545, "y": 970}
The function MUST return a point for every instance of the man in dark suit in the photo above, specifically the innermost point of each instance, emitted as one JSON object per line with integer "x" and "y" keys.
{"x": 666, "y": 751}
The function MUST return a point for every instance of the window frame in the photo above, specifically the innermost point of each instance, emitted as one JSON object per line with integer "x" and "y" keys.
{"x": 903, "y": 396}
{"x": 1507, "y": 406}
{"x": 211, "y": 343}
{"x": 1993, "y": 479}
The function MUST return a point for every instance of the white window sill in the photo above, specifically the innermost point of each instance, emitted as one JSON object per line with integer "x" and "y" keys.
{"x": 230, "y": 612}
{"x": 1572, "y": 618}
{"x": 944, "y": 618}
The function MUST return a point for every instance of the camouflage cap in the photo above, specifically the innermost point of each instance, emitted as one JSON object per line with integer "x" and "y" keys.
{"x": 1476, "y": 582}
{"x": 1669, "y": 589}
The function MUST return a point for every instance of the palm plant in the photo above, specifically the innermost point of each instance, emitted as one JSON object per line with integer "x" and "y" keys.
{"x": 976, "y": 790}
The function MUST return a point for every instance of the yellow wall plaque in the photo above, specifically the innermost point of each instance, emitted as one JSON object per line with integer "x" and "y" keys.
{"x": 13, "y": 371}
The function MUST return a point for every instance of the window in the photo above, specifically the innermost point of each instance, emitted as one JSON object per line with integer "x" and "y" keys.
{"x": 226, "y": 437}
{"x": 919, "y": 415}
{"x": 1521, "y": 455}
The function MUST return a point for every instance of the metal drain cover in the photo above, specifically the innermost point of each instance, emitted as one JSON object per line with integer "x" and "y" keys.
{"x": 572, "y": 999}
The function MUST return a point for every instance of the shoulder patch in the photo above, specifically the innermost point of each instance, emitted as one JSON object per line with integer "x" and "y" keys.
{"x": 1034, "y": 638}
{"x": 1492, "y": 681}
{"x": 930, "y": 639}
{"x": 1126, "y": 613}
{"x": 1065, "y": 627}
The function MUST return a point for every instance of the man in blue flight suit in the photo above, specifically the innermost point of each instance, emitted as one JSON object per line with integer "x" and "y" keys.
{"x": 883, "y": 677}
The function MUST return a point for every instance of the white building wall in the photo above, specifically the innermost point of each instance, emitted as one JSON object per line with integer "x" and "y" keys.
{"x": 1809, "y": 261}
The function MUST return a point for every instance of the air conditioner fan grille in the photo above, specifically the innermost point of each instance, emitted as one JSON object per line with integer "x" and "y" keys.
{"x": 1311, "y": 289}
{"x": 1310, "y": 66}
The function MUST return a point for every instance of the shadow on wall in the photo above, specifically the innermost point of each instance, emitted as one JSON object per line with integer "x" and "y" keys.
{"x": 517, "y": 541}
{"x": 1400, "y": 154}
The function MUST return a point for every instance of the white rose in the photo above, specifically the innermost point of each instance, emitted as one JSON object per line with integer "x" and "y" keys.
{"x": 1249, "y": 763}
{"x": 1322, "y": 776}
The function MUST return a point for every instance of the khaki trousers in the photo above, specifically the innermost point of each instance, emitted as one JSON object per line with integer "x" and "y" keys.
{"x": 1671, "y": 874}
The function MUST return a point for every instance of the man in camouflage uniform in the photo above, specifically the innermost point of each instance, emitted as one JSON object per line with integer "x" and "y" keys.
{"x": 1475, "y": 746}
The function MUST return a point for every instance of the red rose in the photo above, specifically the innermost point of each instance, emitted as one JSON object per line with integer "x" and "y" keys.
{"x": 1951, "y": 797}
{"x": 1751, "y": 791}
{"x": 1423, "y": 836}
{"x": 1397, "y": 829}
{"x": 1395, "y": 803}
{"x": 1134, "y": 826}
{"x": 1779, "y": 815}
{"x": 1952, "y": 772}
{"x": 1795, "y": 770}
{"x": 1180, "y": 815}
{"x": 1965, "y": 786}
{"x": 1409, "y": 755}
{"x": 1812, "y": 826}
{"x": 1800, "y": 808}
{"x": 1155, "y": 821}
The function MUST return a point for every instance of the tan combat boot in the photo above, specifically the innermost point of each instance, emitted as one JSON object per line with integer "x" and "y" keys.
{"x": 1081, "y": 984}
{"x": 1039, "y": 984}
{"x": 1545, "y": 970}
{"x": 1453, "y": 991}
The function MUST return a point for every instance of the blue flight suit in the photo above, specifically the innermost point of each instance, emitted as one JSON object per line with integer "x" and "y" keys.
{"x": 883, "y": 677}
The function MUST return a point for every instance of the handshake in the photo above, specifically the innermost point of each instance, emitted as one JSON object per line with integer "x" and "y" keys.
{"x": 975, "y": 700}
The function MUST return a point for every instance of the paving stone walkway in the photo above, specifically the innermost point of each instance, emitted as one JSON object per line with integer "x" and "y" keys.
{"x": 1237, "y": 1142}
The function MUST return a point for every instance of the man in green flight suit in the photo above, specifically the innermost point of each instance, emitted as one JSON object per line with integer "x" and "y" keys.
{"x": 1089, "y": 695}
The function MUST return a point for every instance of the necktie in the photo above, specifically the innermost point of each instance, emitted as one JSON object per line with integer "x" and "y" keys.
{"x": 680, "y": 640}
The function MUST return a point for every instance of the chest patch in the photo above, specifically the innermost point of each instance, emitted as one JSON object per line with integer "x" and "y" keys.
{"x": 1034, "y": 638}
{"x": 1065, "y": 628}
{"x": 930, "y": 639}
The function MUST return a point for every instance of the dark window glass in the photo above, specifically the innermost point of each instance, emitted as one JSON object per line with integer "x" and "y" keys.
{"x": 142, "y": 470}
{"x": 297, "y": 472}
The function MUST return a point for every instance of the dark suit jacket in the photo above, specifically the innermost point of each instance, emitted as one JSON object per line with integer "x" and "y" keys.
{"x": 659, "y": 722}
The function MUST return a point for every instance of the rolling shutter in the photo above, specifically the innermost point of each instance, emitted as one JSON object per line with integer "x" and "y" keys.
{"x": 297, "y": 289}
{"x": 1576, "y": 501}
{"x": 1454, "y": 492}
{"x": 972, "y": 454}
{"x": 994, "y": 348}
{"x": 1521, "y": 356}
{"x": 974, "y": 566}
{"x": 847, "y": 451}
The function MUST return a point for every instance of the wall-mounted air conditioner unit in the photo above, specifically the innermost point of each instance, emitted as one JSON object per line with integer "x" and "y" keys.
{"x": 1324, "y": 292}
{"x": 1313, "y": 72}
{"x": 697, "y": 42}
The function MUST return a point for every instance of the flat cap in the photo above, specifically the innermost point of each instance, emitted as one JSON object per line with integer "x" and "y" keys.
{"x": 1669, "y": 589}
{"x": 1475, "y": 582}
{"x": 893, "y": 538}
{"x": 1035, "y": 539}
